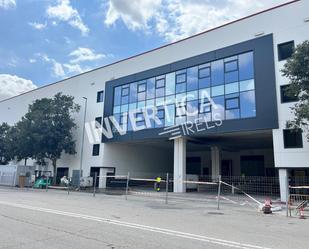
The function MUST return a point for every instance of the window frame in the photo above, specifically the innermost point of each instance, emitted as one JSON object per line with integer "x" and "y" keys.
{"x": 202, "y": 68}
{"x": 139, "y": 85}
{"x": 298, "y": 132}
{"x": 290, "y": 99}
{"x": 181, "y": 82}
{"x": 125, "y": 88}
{"x": 100, "y": 96}
{"x": 95, "y": 152}
{"x": 234, "y": 108}
{"x": 230, "y": 71}
{"x": 203, "y": 112}
{"x": 280, "y": 57}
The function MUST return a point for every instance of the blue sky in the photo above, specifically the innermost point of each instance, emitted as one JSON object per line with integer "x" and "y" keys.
{"x": 43, "y": 41}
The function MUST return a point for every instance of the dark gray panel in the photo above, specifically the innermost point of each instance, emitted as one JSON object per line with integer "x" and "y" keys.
{"x": 265, "y": 89}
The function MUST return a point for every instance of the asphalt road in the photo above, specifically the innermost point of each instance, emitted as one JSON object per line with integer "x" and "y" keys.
{"x": 55, "y": 220}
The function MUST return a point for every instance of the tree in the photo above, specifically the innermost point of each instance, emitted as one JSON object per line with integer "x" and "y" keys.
{"x": 4, "y": 152}
{"x": 50, "y": 125}
{"x": 296, "y": 70}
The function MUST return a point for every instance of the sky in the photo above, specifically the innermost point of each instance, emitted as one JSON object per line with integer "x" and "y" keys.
{"x": 44, "y": 41}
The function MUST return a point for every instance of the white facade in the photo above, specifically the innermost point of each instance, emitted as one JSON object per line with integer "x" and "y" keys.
{"x": 286, "y": 23}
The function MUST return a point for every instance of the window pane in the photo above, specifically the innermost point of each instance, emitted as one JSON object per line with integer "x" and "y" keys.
{"x": 150, "y": 103}
{"x": 193, "y": 95}
{"x": 180, "y": 120}
{"x": 117, "y": 96}
{"x": 125, "y": 91}
{"x": 246, "y": 66}
{"x": 170, "y": 115}
{"x": 285, "y": 96}
{"x": 151, "y": 88}
{"x": 217, "y": 73}
{"x": 204, "y": 72}
{"x": 205, "y": 117}
{"x": 181, "y": 87}
{"x": 170, "y": 84}
{"x": 218, "y": 108}
{"x": 141, "y": 87}
{"x": 231, "y": 77}
{"x": 231, "y": 88}
{"x": 246, "y": 85}
{"x": 217, "y": 90}
{"x": 116, "y": 109}
{"x": 182, "y": 97}
{"x": 231, "y": 66}
{"x": 133, "y": 92}
{"x": 192, "y": 109}
{"x": 141, "y": 96}
{"x": 192, "y": 79}
{"x": 232, "y": 114}
{"x": 205, "y": 107}
{"x": 170, "y": 99}
{"x": 141, "y": 104}
{"x": 285, "y": 50}
{"x": 125, "y": 100}
{"x": 160, "y": 83}
{"x": 132, "y": 106}
{"x": 180, "y": 78}
{"x": 203, "y": 83}
{"x": 124, "y": 108}
{"x": 159, "y": 101}
{"x": 293, "y": 138}
{"x": 160, "y": 92}
{"x": 232, "y": 103}
{"x": 205, "y": 94}
{"x": 247, "y": 104}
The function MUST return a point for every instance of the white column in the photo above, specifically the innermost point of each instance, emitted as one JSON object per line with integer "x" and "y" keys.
{"x": 180, "y": 147}
{"x": 102, "y": 180}
{"x": 215, "y": 161}
{"x": 283, "y": 180}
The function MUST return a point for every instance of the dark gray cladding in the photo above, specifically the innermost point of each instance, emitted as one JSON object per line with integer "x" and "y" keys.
{"x": 265, "y": 89}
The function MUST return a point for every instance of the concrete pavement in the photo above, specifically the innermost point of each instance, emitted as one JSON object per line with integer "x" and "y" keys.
{"x": 36, "y": 219}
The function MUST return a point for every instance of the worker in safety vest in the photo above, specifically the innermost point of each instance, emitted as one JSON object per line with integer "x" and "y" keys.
{"x": 157, "y": 185}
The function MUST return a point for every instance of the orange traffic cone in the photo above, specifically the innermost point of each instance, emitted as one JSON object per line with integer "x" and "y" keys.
{"x": 302, "y": 214}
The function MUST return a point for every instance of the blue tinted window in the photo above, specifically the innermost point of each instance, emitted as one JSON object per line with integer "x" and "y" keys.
{"x": 160, "y": 113}
{"x": 170, "y": 84}
{"x": 193, "y": 95}
{"x": 160, "y": 83}
{"x": 181, "y": 87}
{"x": 232, "y": 103}
{"x": 181, "y": 110}
{"x": 230, "y": 66}
{"x": 133, "y": 92}
{"x": 125, "y": 91}
{"x": 217, "y": 90}
{"x": 151, "y": 88}
{"x": 192, "y": 78}
{"x": 192, "y": 108}
{"x": 141, "y": 96}
{"x": 232, "y": 114}
{"x": 203, "y": 83}
{"x": 117, "y": 96}
{"x": 141, "y": 87}
{"x": 231, "y": 77}
{"x": 246, "y": 85}
{"x": 231, "y": 88}
{"x": 205, "y": 107}
{"x": 218, "y": 108}
{"x": 181, "y": 78}
{"x": 246, "y": 66}
{"x": 247, "y": 104}
{"x": 160, "y": 92}
{"x": 170, "y": 115}
{"x": 125, "y": 100}
{"x": 204, "y": 72}
{"x": 217, "y": 73}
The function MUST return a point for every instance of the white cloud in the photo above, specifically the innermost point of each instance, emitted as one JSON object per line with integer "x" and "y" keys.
{"x": 63, "y": 11}
{"x": 84, "y": 54}
{"x": 31, "y": 60}
{"x": 176, "y": 19}
{"x": 12, "y": 85}
{"x": 38, "y": 26}
{"x": 7, "y": 4}
{"x": 62, "y": 70}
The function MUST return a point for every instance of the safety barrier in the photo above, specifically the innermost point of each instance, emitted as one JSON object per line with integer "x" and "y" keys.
{"x": 298, "y": 204}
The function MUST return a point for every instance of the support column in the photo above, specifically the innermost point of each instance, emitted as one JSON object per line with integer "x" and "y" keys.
{"x": 284, "y": 184}
{"x": 180, "y": 147}
{"x": 215, "y": 162}
{"x": 102, "y": 180}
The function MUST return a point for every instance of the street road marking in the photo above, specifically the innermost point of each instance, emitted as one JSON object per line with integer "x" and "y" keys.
{"x": 221, "y": 242}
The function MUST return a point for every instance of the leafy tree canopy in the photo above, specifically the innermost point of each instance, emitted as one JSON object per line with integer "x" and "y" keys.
{"x": 296, "y": 70}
